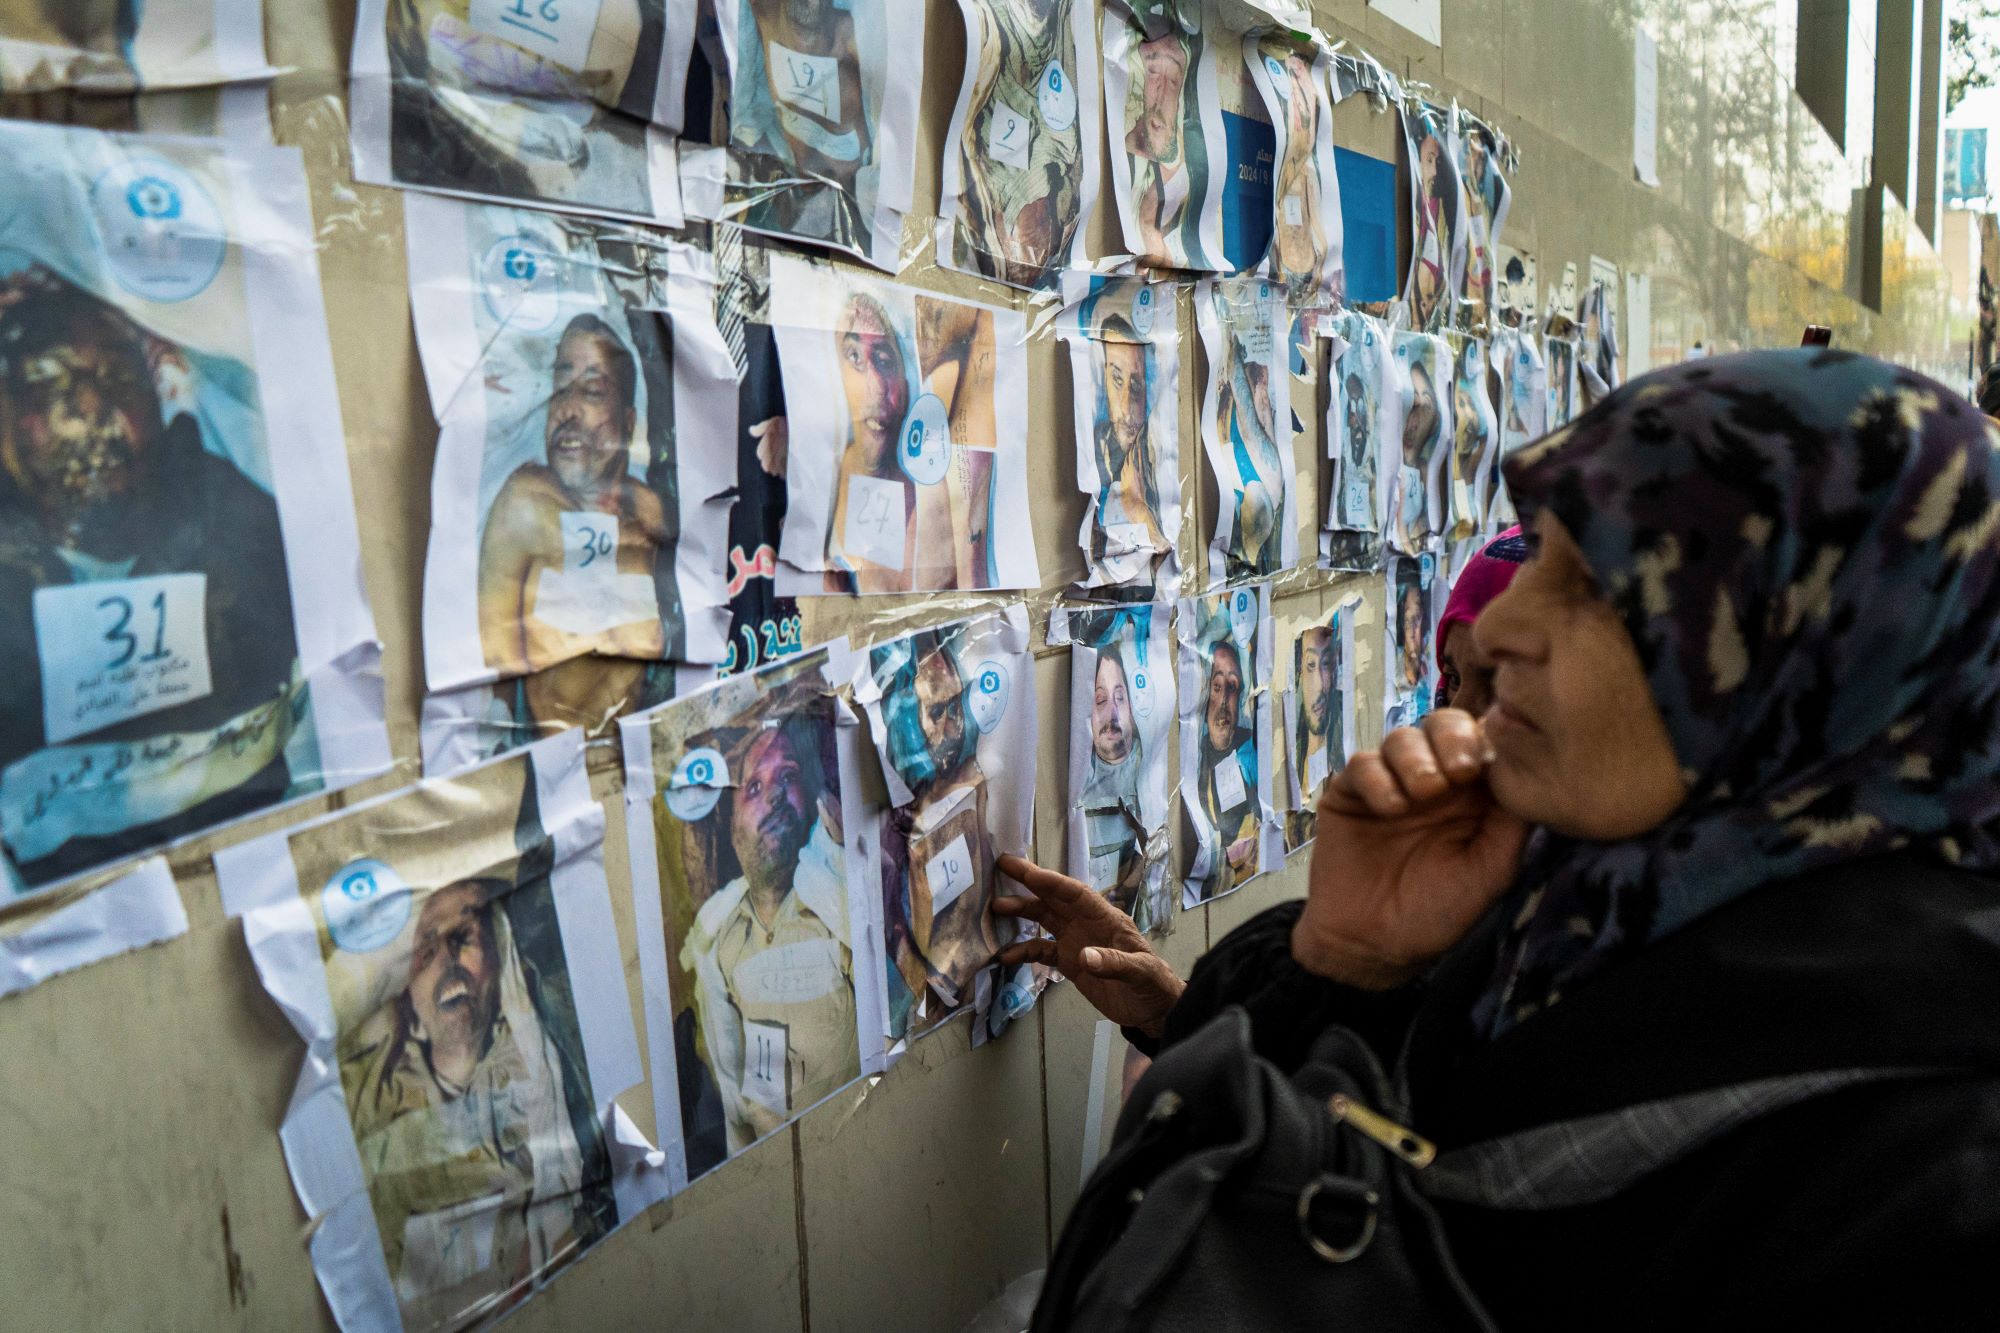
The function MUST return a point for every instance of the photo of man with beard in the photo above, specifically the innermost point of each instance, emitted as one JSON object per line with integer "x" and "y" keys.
{"x": 801, "y": 123}
{"x": 1129, "y": 527}
{"x": 1409, "y": 501}
{"x": 1356, "y": 425}
{"x": 770, "y": 949}
{"x": 1169, "y": 170}
{"x": 1409, "y": 692}
{"x": 1318, "y": 728}
{"x": 1438, "y": 220}
{"x": 1227, "y": 769}
{"x": 568, "y": 555}
{"x": 1111, "y": 805}
{"x": 1020, "y": 148}
{"x": 465, "y": 1090}
{"x": 144, "y": 598}
{"x": 1248, "y": 420}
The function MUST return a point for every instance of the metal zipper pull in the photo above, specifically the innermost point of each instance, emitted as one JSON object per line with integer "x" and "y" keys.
{"x": 1407, "y": 1144}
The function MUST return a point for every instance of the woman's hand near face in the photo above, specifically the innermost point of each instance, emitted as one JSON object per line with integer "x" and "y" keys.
{"x": 1095, "y": 945}
{"x": 1411, "y": 851}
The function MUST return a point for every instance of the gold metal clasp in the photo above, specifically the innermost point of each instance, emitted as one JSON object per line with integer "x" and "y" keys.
{"x": 1407, "y": 1144}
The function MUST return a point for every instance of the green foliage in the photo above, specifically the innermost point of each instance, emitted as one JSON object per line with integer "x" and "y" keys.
{"x": 1972, "y": 42}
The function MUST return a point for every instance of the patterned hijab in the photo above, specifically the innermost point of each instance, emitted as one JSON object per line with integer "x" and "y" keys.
{"x": 1805, "y": 547}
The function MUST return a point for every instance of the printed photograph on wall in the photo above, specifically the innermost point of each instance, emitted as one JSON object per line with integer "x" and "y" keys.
{"x": 1562, "y": 388}
{"x": 1421, "y": 370}
{"x": 1121, "y": 714}
{"x": 564, "y": 362}
{"x": 1361, "y": 418}
{"x": 1226, "y": 755}
{"x": 1124, "y": 349}
{"x": 1020, "y": 168}
{"x": 570, "y": 107}
{"x": 1475, "y": 435}
{"x": 1167, "y": 140}
{"x": 1411, "y": 665}
{"x": 1524, "y": 410}
{"x": 823, "y": 119}
{"x": 1319, "y": 715}
{"x": 1246, "y": 428}
{"x": 952, "y": 713}
{"x": 466, "y": 1014}
{"x": 182, "y": 619}
{"x": 1247, "y": 164}
{"x": 738, "y": 816}
{"x": 1305, "y": 252}
{"x": 1488, "y": 198}
{"x": 104, "y": 47}
{"x": 1438, "y": 248}
{"x": 904, "y": 472}
{"x": 1517, "y": 287}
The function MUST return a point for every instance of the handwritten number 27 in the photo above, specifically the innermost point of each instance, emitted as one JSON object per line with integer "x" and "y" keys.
{"x": 121, "y": 633}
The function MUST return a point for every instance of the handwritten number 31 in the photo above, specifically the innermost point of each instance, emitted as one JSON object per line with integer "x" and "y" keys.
{"x": 121, "y": 632}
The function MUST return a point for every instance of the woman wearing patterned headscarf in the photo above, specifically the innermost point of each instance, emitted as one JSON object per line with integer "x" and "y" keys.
{"x": 1689, "y": 942}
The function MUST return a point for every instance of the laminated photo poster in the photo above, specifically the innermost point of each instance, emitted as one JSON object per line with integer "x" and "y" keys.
{"x": 1421, "y": 368}
{"x": 1415, "y": 600}
{"x": 1124, "y": 348}
{"x": 1245, "y": 430}
{"x": 577, "y": 548}
{"x": 569, "y": 106}
{"x": 1304, "y": 256}
{"x": 1524, "y": 412}
{"x": 1121, "y": 714}
{"x": 823, "y": 106}
{"x": 449, "y": 956}
{"x": 760, "y": 956}
{"x": 123, "y": 46}
{"x": 1438, "y": 249}
{"x": 181, "y": 604}
{"x": 1164, "y": 122}
{"x": 951, "y": 711}
{"x": 1318, "y": 708}
{"x": 1226, "y": 752}
{"x": 1482, "y": 155}
{"x": 1475, "y": 435}
{"x": 904, "y": 472}
{"x": 1019, "y": 178}
{"x": 1362, "y": 416}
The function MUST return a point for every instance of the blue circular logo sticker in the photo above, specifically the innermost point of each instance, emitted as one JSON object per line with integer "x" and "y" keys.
{"x": 162, "y": 236}
{"x": 696, "y": 785}
{"x": 987, "y": 699}
{"x": 1057, "y": 97}
{"x": 1278, "y": 79}
{"x": 521, "y": 281}
{"x": 924, "y": 449}
{"x": 1426, "y": 567}
{"x": 1144, "y": 303}
{"x": 1142, "y": 693}
{"x": 1243, "y": 617}
{"x": 366, "y": 905}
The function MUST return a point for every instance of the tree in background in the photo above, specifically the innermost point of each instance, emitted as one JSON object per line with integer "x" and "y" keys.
{"x": 1972, "y": 36}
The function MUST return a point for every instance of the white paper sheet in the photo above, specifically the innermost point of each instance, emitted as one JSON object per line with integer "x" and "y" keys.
{"x": 1416, "y": 468}
{"x": 432, "y": 1184}
{"x": 951, "y": 712}
{"x": 1422, "y": 17}
{"x": 1246, "y": 426}
{"x": 1225, "y": 710}
{"x": 1363, "y": 418}
{"x": 1122, "y": 676}
{"x": 908, "y": 456}
{"x": 473, "y": 98}
{"x": 578, "y": 377}
{"x": 229, "y": 662}
{"x": 193, "y": 44}
{"x": 139, "y": 908}
{"x": 1019, "y": 176}
{"x": 1160, "y": 97}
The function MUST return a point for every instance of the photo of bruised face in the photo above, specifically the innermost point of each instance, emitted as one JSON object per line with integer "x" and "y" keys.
{"x": 1420, "y": 425}
{"x": 454, "y": 986}
{"x": 1157, "y": 135}
{"x": 1316, "y": 672}
{"x": 591, "y": 411}
{"x": 874, "y": 376}
{"x": 1225, "y": 696}
{"x": 1111, "y": 711}
{"x": 941, "y": 710}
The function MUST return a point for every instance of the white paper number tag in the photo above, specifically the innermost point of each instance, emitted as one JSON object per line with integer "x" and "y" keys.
{"x": 875, "y": 526}
{"x": 1295, "y": 213}
{"x": 765, "y": 1047}
{"x": 588, "y": 595}
{"x": 1228, "y": 783}
{"x": 120, "y": 649}
{"x": 557, "y": 30}
{"x": 1318, "y": 764}
{"x": 949, "y": 874}
{"x": 810, "y": 83}
{"x": 1007, "y": 136}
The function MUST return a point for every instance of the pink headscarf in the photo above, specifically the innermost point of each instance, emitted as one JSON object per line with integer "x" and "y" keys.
{"x": 1486, "y": 576}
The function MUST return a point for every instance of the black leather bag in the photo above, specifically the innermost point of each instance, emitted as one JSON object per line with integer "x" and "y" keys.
{"x": 1235, "y": 1198}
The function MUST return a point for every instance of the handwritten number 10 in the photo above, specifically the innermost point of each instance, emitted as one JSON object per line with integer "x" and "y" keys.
{"x": 121, "y": 633}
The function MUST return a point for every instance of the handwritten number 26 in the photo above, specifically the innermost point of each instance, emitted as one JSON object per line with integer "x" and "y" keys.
{"x": 121, "y": 633}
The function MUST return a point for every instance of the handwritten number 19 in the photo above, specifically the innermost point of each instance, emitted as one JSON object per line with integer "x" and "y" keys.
{"x": 121, "y": 633}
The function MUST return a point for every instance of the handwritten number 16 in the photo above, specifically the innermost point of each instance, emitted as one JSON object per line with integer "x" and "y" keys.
{"x": 548, "y": 11}
{"x": 121, "y": 633}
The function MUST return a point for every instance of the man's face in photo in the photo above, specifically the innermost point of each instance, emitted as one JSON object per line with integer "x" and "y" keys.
{"x": 1413, "y": 633}
{"x": 772, "y": 809}
{"x": 590, "y": 413}
{"x": 1225, "y": 695}
{"x": 1357, "y": 421}
{"x": 1125, "y": 395}
{"x": 941, "y": 710}
{"x": 1316, "y": 678}
{"x": 1164, "y": 60}
{"x": 874, "y": 376}
{"x": 1111, "y": 712}
{"x": 80, "y": 418}
{"x": 1422, "y": 421}
{"x": 808, "y": 15}
{"x": 454, "y": 986}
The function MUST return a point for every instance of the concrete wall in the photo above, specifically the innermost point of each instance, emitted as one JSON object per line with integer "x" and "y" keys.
{"x": 143, "y": 1182}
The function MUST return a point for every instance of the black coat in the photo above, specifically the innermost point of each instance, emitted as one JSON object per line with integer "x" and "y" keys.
{"x": 1877, "y": 1206}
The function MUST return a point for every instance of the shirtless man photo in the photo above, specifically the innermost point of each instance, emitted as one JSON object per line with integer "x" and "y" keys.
{"x": 803, "y": 126}
{"x": 1160, "y": 180}
{"x": 567, "y": 559}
